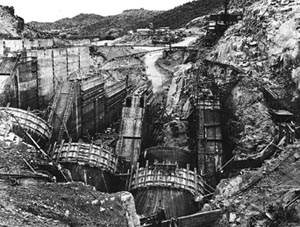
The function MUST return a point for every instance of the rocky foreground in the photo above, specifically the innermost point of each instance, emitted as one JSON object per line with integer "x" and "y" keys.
{"x": 29, "y": 199}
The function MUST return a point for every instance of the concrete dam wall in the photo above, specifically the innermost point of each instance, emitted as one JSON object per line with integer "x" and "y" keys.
{"x": 35, "y": 74}
{"x": 56, "y": 65}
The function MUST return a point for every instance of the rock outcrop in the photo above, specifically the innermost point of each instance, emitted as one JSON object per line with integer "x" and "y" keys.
{"x": 11, "y": 25}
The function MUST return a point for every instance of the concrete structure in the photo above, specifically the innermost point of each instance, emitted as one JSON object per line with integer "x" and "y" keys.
{"x": 210, "y": 149}
{"x": 115, "y": 94}
{"x": 21, "y": 81}
{"x": 93, "y": 104}
{"x": 65, "y": 102}
{"x": 82, "y": 107}
{"x": 17, "y": 45}
{"x": 35, "y": 74}
{"x": 133, "y": 126}
{"x": 56, "y": 65}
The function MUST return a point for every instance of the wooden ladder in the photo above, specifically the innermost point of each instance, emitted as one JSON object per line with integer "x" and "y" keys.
{"x": 67, "y": 111}
{"x": 53, "y": 105}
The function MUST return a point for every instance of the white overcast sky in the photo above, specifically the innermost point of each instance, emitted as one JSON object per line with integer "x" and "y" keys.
{"x": 51, "y": 10}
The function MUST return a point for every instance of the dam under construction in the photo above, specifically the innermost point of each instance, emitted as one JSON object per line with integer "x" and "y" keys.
{"x": 126, "y": 128}
{"x": 111, "y": 117}
{"x": 116, "y": 118}
{"x": 196, "y": 126}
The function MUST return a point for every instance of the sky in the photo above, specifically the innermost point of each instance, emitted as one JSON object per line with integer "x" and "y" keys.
{"x": 52, "y": 10}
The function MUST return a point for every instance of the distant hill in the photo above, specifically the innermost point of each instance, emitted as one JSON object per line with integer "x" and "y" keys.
{"x": 181, "y": 15}
{"x": 109, "y": 26}
{"x": 67, "y": 23}
{"x": 127, "y": 20}
{"x": 92, "y": 24}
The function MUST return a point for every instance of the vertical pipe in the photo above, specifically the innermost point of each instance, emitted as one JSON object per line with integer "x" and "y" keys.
{"x": 35, "y": 65}
{"x": 196, "y": 179}
{"x": 59, "y": 151}
{"x": 130, "y": 179}
{"x": 18, "y": 88}
{"x": 226, "y": 13}
{"x": 137, "y": 174}
{"x": 53, "y": 72}
{"x": 145, "y": 175}
{"x": 96, "y": 114}
{"x": 79, "y": 66}
{"x": 67, "y": 62}
{"x": 51, "y": 152}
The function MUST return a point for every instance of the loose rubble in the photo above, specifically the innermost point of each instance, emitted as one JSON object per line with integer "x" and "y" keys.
{"x": 29, "y": 198}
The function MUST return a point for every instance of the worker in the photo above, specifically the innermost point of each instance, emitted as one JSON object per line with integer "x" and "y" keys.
{"x": 160, "y": 215}
{"x": 173, "y": 222}
{"x": 65, "y": 173}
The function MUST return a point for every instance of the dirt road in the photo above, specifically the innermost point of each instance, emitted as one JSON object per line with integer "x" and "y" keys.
{"x": 153, "y": 74}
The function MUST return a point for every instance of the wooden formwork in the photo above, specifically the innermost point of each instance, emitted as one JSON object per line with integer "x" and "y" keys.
{"x": 165, "y": 185}
{"x": 85, "y": 154}
{"x": 166, "y": 176}
{"x": 38, "y": 128}
{"x": 210, "y": 148}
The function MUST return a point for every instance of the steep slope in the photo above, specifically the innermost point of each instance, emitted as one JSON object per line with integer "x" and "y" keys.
{"x": 234, "y": 4}
{"x": 268, "y": 196}
{"x": 181, "y": 15}
{"x": 264, "y": 51}
{"x": 266, "y": 46}
{"x": 11, "y": 25}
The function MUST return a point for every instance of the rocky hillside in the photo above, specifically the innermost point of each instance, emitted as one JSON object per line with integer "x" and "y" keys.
{"x": 11, "y": 25}
{"x": 255, "y": 66}
{"x": 91, "y": 24}
{"x": 265, "y": 47}
{"x": 181, "y": 15}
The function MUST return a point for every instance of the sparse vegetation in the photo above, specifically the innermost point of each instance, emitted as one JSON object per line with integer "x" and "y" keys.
{"x": 91, "y": 24}
{"x": 181, "y": 15}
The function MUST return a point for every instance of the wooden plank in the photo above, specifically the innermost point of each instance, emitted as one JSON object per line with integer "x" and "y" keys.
{"x": 87, "y": 153}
